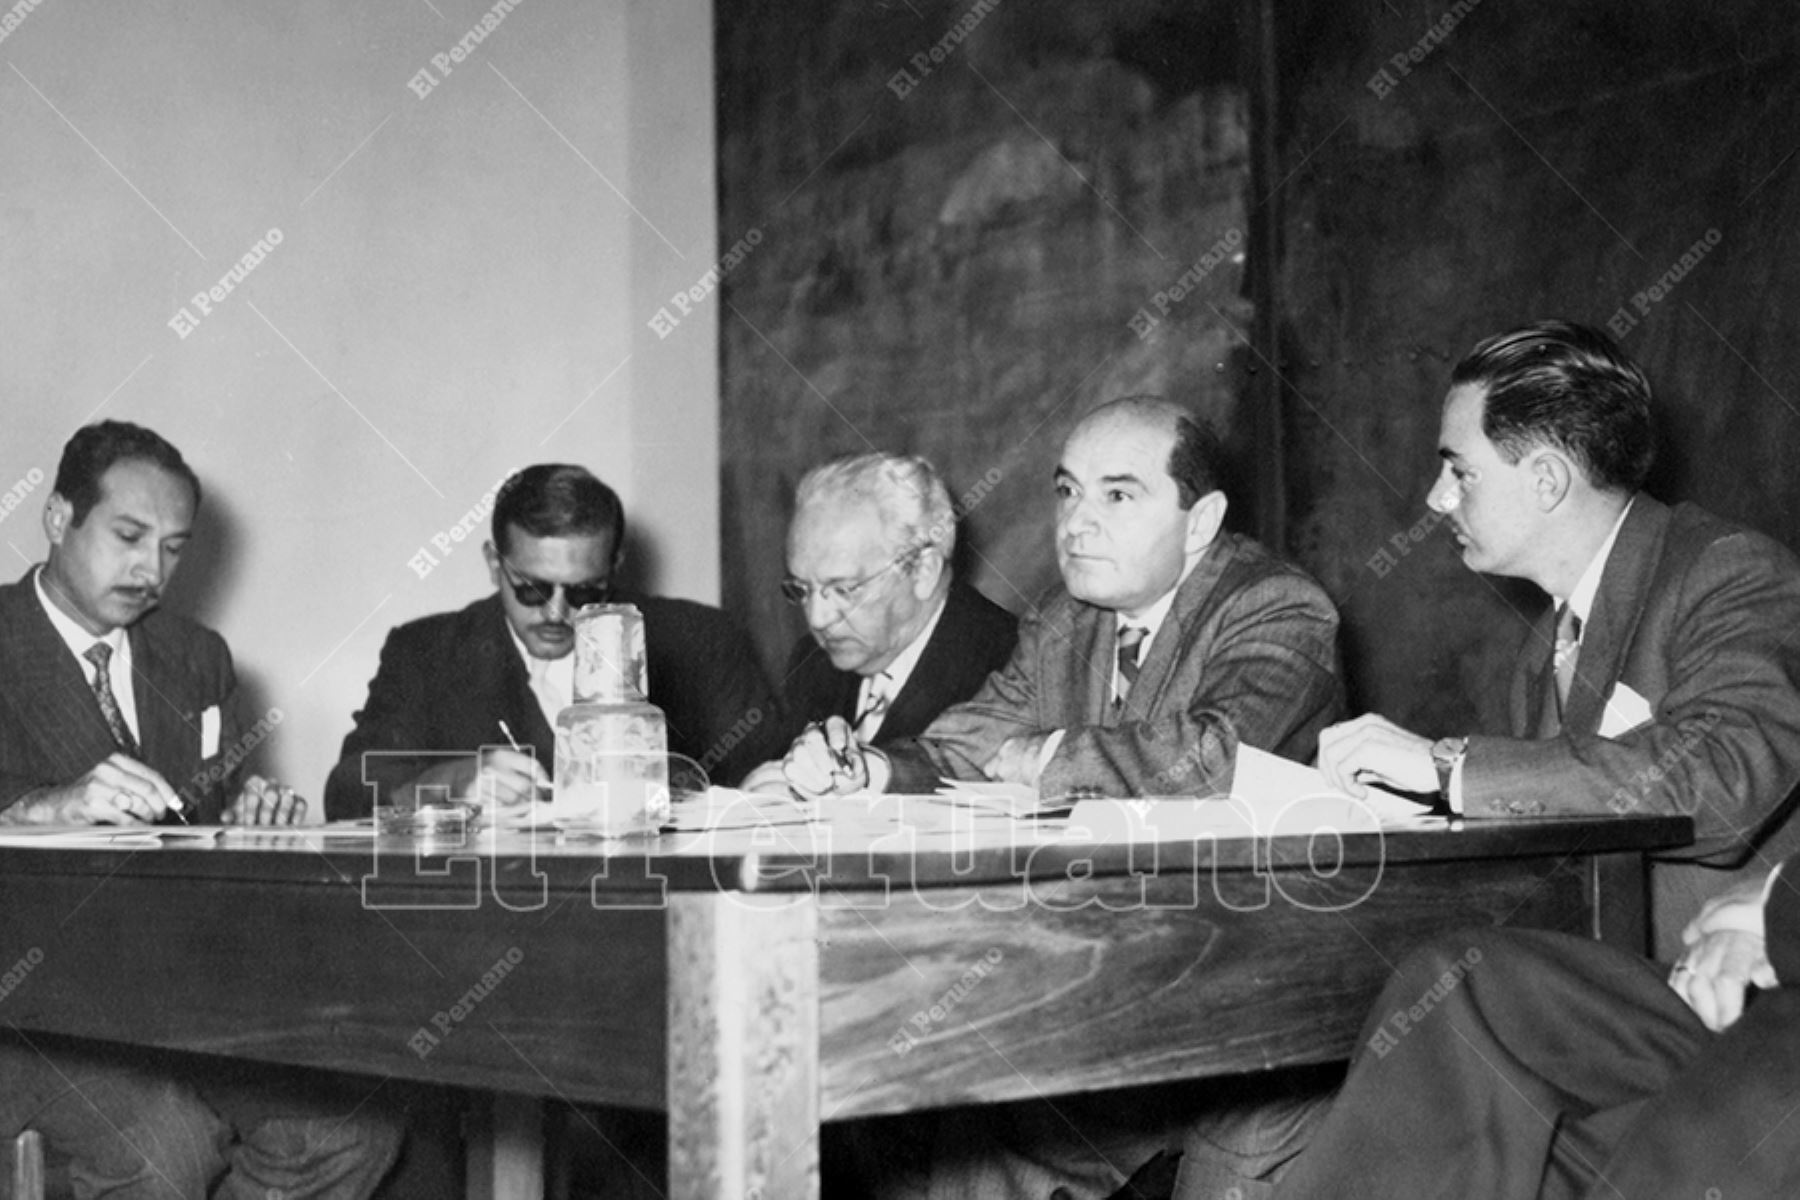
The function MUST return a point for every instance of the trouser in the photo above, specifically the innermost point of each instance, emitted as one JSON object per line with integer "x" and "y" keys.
{"x": 1234, "y": 1136}
{"x": 1509, "y": 1065}
{"x": 128, "y": 1125}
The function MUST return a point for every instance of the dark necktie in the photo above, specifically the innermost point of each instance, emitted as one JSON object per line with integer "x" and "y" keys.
{"x": 100, "y": 654}
{"x": 1568, "y": 650}
{"x": 1131, "y": 639}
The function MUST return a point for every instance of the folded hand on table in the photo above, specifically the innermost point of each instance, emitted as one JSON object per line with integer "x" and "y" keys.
{"x": 264, "y": 802}
{"x": 1372, "y": 749}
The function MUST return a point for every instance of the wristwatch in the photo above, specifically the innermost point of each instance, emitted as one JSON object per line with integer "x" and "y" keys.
{"x": 1446, "y": 753}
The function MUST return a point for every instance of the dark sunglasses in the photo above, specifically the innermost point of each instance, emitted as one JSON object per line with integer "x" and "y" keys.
{"x": 535, "y": 593}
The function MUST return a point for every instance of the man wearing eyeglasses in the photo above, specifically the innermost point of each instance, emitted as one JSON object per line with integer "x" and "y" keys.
{"x": 453, "y": 689}
{"x": 893, "y": 639}
{"x": 1173, "y": 641}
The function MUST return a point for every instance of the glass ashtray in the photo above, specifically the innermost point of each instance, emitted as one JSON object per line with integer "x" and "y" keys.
{"x": 452, "y": 820}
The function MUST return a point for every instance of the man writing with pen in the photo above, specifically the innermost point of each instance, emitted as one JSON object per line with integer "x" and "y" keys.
{"x": 112, "y": 710}
{"x": 1172, "y": 642}
{"x": 894, "y": 635}
{"x": 464, "y": 703}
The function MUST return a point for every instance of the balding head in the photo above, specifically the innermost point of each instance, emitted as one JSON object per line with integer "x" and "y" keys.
{"x": 1137, "y": 502}
{"x": 1194, "y": 450}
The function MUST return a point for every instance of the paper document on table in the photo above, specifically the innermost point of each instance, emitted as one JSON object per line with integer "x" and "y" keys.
{"x": 1270, "y": 783}
{"x": 1011, "y": 799}
{"x": 731, "y": 808}
{"x": 1270, "y": 797}
{"x": 97, "y": 836}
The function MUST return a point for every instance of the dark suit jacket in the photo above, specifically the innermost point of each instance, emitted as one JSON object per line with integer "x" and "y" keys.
{"x": 51, "y": 730}
{"x": 446, "y": 682}
{"x": 1699, "y": 617}
{"x": 1248, "y": 651}
{"x": 974, "y": 637}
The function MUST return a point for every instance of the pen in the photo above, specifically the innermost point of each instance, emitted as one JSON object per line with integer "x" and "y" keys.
{"x": 839, "y": 754}
{"x": 514, "y": 743}
{"x": 176, "y": 804}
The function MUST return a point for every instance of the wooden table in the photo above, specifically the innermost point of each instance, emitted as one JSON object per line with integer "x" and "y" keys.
{"x": 752, "y": 984}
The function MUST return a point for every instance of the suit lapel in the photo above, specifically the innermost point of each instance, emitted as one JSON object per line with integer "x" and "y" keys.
{"x": 512, "y": 696}
{"x": 922, "y": 697}
{"x": 59, "y": 713}
{"x": 1170, "y": 642}
{"x": 1539, "y": 698}
{"x": 1613, "y": 619}
{"x": 1086, "y": 694}
{"x": 168, "y": 733}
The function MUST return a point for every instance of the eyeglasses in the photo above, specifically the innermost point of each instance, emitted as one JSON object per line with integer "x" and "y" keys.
{"x": 535, "y": 593}
{"x": 839, "y": 593}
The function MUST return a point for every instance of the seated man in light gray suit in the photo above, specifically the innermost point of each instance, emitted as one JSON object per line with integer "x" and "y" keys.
{"x": 1173, "y": 643}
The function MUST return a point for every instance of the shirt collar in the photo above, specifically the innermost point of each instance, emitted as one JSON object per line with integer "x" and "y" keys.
{"x": 77, "y": 639}
{"x": 1581, "y": 600}
{"x": 1152, "y": 618}
{"x": 901, "y": 669}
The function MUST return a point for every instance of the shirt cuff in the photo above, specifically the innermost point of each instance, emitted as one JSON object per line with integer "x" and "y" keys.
{"x": 1052, "y": 743}
{"x": 1454, "y": 793}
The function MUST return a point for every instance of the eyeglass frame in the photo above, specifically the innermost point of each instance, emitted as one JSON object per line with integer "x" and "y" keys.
{"x": 797, "y": 591}
{"x": 524, "y": 587}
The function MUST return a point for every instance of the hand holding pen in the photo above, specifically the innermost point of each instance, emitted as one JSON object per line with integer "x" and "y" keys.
{"x": 508, "y": 778}
{"x": 826, "y": 760}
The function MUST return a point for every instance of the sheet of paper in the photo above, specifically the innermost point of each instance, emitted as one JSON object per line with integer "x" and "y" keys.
{"x": 731, "y": 808}
{"x": 84, "y": 836}
{"x": 1270, "y": 797}
{"x": 1013, "y": 799}
{"x": 1269, "y": 782}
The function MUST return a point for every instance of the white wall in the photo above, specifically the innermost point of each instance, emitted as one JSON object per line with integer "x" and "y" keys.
{"x": 464, "y": 285}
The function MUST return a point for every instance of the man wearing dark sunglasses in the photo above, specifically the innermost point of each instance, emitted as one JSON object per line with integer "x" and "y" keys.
{"x": 452, "y": 690}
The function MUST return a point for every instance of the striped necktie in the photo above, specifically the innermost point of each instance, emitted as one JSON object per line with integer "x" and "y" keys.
{"x": 100, "y": 654}
{"x": 1131, "y": 641}
{"x": 868, "y": 721}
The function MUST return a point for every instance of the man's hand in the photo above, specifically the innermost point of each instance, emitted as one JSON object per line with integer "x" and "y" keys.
{"x": 1739, "y": 908}
{"x": 264, "y": 802}
{"x": 1717, "y": 970}
{"x": 1372, "y": 749}
{"x": 826, "y": 760}
{"x": 507, "y": 779}
{"x": 1726, "y": 955}
{"x": 1018, "y": 760}
{"x": 499, "y": 778}
{"x": 766, "y": 780}
{"x": 116, "y": 791}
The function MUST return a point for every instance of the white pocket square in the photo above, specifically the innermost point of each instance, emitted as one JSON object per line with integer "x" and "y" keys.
{"x": 209, "y": 732}
{"x": 1625, "y": 711}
